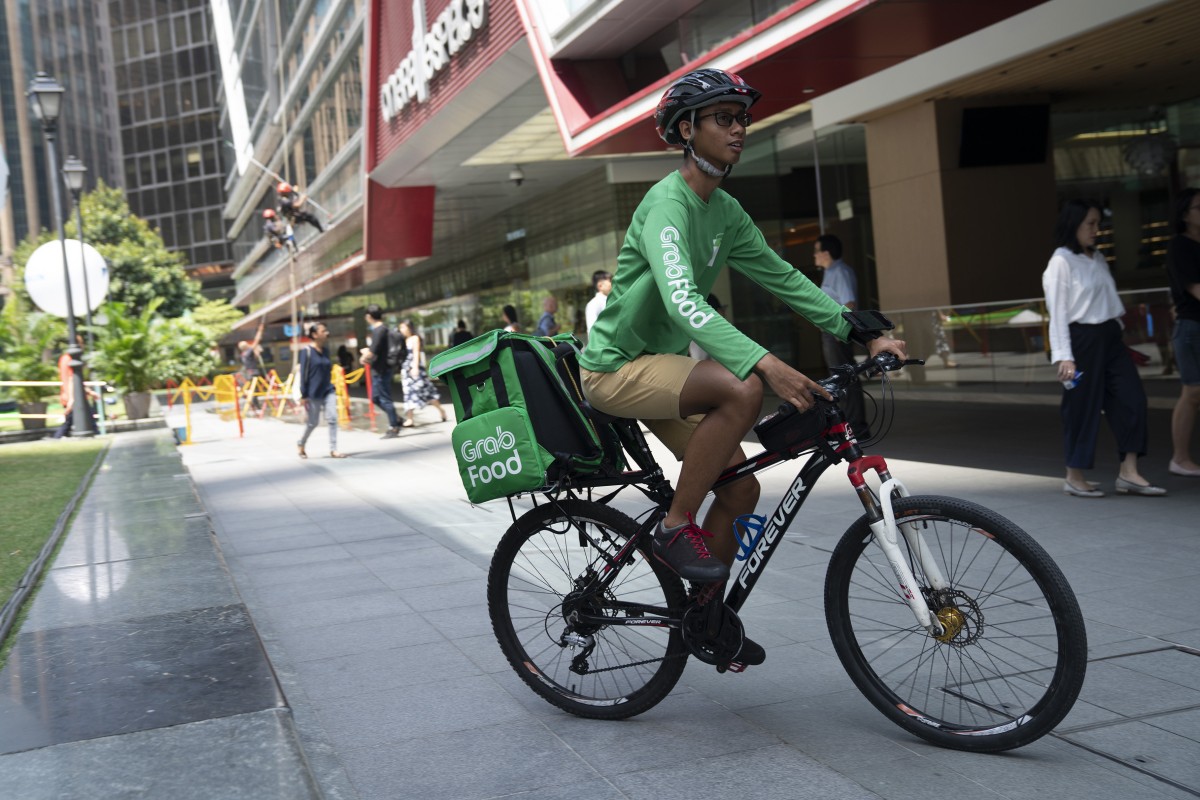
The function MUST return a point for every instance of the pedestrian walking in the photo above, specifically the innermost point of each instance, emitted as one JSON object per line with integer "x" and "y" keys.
{"x": 461, "y": 335}
{"x": 419, "y": 391}
{"x": 840, "y": 283}
{"x": 66, "y": 393}
{"x": 1183, "y": 270}
{"x": 345, "y": 358}
{"x": 317, "y": 389}
{"x": 1092, "y": 360}
{"x": 376, "y": 354}
{"x": 547, "y": 325}
{"x": 602, "y": 286}
{"x": 511, "y": 323}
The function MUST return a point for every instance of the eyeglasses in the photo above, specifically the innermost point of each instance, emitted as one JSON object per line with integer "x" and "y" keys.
{"x": 724, "y": 119}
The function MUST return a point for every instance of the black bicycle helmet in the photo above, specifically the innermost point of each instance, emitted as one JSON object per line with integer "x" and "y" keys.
{"x": 697, "y": 89}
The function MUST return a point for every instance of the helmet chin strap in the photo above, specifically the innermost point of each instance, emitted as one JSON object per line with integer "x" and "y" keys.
{"x": 705, "y": 166}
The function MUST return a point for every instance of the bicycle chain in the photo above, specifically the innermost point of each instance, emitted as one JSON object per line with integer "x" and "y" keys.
{"x": 635, "y": 664}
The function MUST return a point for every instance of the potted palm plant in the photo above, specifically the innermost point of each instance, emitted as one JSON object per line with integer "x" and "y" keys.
{"x": 138, "y": 352}
{"x": 128, "y": 353}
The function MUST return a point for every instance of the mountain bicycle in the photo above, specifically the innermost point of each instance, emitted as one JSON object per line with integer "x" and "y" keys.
{"x": 948, "y": 617}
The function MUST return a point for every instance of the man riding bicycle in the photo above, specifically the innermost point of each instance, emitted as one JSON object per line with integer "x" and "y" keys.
{"x": 636, "y": 364}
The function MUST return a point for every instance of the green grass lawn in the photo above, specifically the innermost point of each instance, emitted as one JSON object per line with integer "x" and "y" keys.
{"x": 37, "y": 480}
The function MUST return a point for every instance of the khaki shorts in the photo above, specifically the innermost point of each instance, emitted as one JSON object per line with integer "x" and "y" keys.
{"x": 647, "y": 389}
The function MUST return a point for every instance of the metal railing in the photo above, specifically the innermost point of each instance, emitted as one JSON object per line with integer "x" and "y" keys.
{"x": 1005, "y": 345}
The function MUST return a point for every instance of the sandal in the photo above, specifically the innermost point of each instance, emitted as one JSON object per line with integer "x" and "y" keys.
{"x": 336, "y": 454}
{"x": 303, "y": 454}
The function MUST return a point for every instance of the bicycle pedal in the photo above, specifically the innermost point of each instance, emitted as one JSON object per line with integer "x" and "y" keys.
{"x": 703, "y": 593}
{"x": 732, "y": 666}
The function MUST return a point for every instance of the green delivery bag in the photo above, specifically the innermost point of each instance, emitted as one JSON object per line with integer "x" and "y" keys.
{"x": 513, "y": 372}
{"x": 498, "y": 455}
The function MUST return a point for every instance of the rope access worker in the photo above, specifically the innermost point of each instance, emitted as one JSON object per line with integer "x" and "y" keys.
{"x": 291, "y": 205}
{"x": 277, "y": 230}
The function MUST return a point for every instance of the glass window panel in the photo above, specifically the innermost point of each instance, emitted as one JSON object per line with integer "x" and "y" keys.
{"x": 118, "y": 47}
{"x": 149, "y": 40}
{"x": 181, "y": 32}
{"x": 166, "y": 67}
{"x": 133, "y": 42}
{"x": 164, "y": 32}
{"x": 187, "y": 102}
{"x": 154, "y": 105}
{"x": 193, "y": 159}
{"x": 196, "y": 197}
{"x": 198, "y": 32}
{"x": 203, "y": 93}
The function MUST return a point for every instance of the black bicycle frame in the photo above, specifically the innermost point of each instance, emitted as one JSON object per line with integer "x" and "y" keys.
{"x": 776, "y": 525}
{"x": 835, "y": 445}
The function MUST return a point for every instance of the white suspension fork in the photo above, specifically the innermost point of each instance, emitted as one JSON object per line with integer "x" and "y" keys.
{"x": 887, "y": 536}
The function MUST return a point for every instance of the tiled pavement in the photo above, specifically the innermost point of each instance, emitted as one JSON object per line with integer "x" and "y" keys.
{"x": 364, "y": 579}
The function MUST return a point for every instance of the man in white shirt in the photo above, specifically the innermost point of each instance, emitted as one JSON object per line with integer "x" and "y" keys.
{"x": 840, "y": 283}
{"x": 602, "y": 284}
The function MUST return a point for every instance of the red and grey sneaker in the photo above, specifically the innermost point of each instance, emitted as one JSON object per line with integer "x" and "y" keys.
{"x": 684, "y": 550}
{"x": 751, "y": 654}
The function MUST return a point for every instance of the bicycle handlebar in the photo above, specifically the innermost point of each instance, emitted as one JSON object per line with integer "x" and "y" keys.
{"x": 837, "y": 383}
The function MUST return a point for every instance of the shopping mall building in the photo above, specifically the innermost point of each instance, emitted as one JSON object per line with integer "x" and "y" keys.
{"x": 505, "y": 144}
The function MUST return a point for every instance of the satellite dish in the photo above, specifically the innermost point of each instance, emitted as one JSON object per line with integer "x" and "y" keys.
{"x": 45, "y": 283}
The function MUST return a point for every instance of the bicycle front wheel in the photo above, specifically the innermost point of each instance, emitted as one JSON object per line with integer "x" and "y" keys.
{"x": 594, "y": 635}
{"x": 1011, "y": 660}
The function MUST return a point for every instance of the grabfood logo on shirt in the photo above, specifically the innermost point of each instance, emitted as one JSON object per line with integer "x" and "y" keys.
{"x": 501, "y": 445}
{"x": 675, "y": 271}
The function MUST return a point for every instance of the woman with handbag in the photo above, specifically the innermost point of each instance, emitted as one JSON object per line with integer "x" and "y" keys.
{"x": 1092, "y": 360}
{"x": 317, "y": 389}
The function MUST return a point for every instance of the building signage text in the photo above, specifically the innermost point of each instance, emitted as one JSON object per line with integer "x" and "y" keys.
{"x": 431, "y": 52}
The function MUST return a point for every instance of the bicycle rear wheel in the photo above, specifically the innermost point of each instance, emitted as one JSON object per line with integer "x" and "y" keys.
{"x": 1013, "y": 658}
{"x": 561, "y": 629}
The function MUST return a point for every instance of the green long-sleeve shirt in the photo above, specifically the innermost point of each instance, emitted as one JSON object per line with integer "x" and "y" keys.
{"x": 674, "y": 249}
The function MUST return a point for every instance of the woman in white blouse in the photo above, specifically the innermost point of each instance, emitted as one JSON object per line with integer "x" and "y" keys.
{"x": 1086, "y": 345}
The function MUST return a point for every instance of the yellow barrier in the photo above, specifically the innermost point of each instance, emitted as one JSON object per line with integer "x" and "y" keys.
{"x": 275, "y": 394}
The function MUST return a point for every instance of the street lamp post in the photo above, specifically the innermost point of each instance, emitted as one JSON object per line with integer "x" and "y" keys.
{"x": 73, "y": 171}
{"x": 45, "y": 99}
